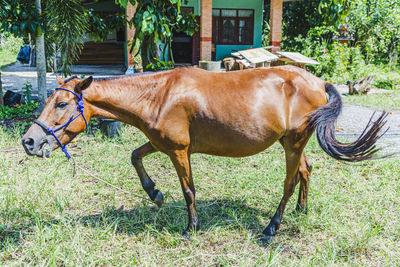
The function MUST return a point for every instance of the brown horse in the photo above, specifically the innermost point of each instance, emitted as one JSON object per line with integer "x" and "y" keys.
{"x": 188, "y": 110}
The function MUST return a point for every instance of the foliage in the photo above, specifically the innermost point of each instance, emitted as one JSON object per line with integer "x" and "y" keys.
{"x": 154, "y": 22}
{"x": 100, "y": 27}
{"x": 334, "y": 11}
{"x": 11, "y": 43}
{"x": 66, "y": 26}
{"x": 340, "y": 63}
{"x": 299, "y": 17}
{"x": 6, "y": 58}
{"x": 157, "y": 65}
{"x": 63, "y": 22}
{"x": 27, "y": 92}
{"x": 23, "y": 111}
{"x": 19, "y": 17}
{"x": 375, "y": 26}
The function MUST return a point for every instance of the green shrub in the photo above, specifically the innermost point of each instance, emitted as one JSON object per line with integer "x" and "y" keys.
{"x": 19, "y": 111}
{"x": 159, "y": 65}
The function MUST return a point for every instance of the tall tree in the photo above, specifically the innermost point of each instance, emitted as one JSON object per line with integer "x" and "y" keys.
{"x": 63, "y": 22}
{"x": 40, "y": 62}
{"x": 67, "y": 23}
{"x": 1, "y": 91}
{"x": 24, "y": 18}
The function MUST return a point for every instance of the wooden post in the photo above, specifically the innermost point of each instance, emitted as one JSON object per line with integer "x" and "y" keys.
{"x": 206, "y": 30}
{"x": 130, "y": 31}
{"x": 275, "y": 36}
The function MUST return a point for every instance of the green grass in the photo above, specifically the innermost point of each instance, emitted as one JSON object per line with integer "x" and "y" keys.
{"x": 387, "y": 101}
{"x": 49, "y": 217}
{"x": 7, "y": 58}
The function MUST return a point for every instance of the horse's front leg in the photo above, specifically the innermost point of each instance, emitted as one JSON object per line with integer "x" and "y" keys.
{"x": 181, "y": 161}
{"x": 147, "y": 184}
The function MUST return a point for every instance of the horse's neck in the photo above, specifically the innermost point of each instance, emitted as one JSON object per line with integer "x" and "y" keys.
{"x": 129, "y": 99}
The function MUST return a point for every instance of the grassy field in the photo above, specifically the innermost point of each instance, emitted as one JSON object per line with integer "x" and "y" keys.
{"x": 387, "y": 101}
{"x": 7, "y": 58}
{"x": 50, "y": 217}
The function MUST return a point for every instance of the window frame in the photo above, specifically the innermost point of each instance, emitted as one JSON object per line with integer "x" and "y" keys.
{"x": 237, "y": 19}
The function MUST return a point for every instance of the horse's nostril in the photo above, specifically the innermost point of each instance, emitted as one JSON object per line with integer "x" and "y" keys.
{"x": 28, "y": 143}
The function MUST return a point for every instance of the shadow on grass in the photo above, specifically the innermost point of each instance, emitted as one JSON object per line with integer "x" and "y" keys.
{"x": 225, "y": 213}
{"x": 219, "y": 213}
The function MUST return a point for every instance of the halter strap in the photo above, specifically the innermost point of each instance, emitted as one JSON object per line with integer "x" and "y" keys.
{"x": 51, "y": 131}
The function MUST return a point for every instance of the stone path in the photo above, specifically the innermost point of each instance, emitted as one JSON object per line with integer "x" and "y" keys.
{"x": 353, "y": 120}
{"x": 15, "y": 76}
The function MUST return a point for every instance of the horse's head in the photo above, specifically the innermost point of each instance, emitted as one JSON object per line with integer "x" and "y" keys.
{"x": 55, "y": 121}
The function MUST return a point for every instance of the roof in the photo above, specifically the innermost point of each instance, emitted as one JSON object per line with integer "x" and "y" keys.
{"x": 258, "y": 55}
{"x": 297, "y": 58}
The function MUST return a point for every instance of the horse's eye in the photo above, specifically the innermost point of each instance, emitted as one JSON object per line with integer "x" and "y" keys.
{"x": 62, "y": 105}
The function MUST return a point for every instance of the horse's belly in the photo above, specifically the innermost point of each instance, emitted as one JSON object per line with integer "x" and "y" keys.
{"x": 224, "y": 141}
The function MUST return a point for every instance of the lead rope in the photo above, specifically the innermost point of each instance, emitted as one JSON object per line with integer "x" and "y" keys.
{"x": 51, "y": 131}
{"x": 77, "y": 166}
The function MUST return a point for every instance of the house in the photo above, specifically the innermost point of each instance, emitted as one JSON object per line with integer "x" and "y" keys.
{"x": 225, "y": 26}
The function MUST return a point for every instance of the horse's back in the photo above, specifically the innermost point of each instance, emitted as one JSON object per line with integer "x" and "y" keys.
{"x": 242, "y": 113}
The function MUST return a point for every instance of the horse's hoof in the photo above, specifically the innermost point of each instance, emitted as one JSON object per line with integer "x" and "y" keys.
{"x": 267, "y": 239}
{"x": 159, "y": 199}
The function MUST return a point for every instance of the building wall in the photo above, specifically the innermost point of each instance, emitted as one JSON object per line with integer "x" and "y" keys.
{"x": 223, "y": 51}
{"x": 110, "y": 51}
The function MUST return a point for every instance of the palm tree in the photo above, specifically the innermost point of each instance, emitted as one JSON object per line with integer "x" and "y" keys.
{"x": 63, "y": 22}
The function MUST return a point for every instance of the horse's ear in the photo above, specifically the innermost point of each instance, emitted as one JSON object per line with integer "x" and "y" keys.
{"x": 82, "y": 85}
{"x": 59, "y": 80}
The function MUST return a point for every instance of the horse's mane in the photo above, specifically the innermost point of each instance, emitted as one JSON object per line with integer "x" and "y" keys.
{"x": 126, "y": 75}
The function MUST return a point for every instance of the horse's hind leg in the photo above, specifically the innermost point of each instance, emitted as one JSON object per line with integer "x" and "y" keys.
{"x": 304, "y": 174}
{"x": 147, "y": 184}
{"x": 293, "y": 152}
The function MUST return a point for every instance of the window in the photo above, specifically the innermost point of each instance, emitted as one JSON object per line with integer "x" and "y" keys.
{"x": 233, "y": 26}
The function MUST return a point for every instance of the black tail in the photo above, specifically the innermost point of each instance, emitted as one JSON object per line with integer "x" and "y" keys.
{"x": 323, "y": 121}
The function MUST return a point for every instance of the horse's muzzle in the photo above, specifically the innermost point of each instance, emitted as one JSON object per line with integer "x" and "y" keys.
{"x": 40, "y": 147}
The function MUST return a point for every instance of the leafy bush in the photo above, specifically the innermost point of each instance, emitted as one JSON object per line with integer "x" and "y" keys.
{"x": 19, "y": 111}
{"x": 387, "y": 79}
{"x": 159, "y": 65}
{"x": 375, "y": 26}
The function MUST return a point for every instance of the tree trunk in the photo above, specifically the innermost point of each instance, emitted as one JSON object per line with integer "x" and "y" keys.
{"x": 1, "y": 92}
{"x": 361, "y": 86}
{"x": 41, "y": 64}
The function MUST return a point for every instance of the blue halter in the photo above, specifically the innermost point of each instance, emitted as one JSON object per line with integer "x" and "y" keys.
{"x": 51, "y": 131}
